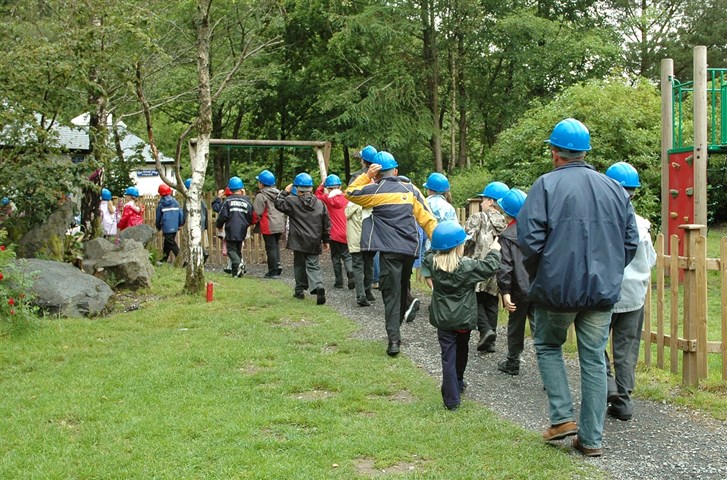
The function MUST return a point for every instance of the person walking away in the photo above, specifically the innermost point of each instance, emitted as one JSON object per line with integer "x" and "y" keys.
{"x": 309, "y": 228}
{"x": 204, "y": 215}
{"x": 108, "y": 214}
{"x": 627, "y": 316}
{"x": 391, "y": 229}
{"x": 513, "y": 283}
{"x": 437, "y": 186}
{"x": 577, "y": 232}
{"x": 271, "y": 221}
{"x": 169, "y": 217}
{"x": 363, "y": 262}
{"x": 217, "y": 207}
{"x": 483, "y": 227}
{"x": 331, "y": 195}
{"x": 236, "y": 217}
{"x": 132, "y": 214}
{"x": 453, "y": 310}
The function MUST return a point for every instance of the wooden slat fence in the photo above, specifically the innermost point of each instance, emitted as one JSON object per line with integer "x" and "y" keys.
{"x": 685, "y": 304}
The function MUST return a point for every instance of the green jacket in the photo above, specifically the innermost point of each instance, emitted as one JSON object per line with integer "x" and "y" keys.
{"x": 454, "y": 302}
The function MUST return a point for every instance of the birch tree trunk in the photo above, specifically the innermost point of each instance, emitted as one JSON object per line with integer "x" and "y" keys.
{"x": 199, "y": 152}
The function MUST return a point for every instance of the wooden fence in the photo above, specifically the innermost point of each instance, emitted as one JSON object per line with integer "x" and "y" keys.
{"x": 685, "y": 303}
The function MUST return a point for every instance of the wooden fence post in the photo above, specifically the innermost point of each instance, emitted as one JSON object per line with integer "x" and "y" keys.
{"x": 692, "y": 298}
{"x": 674, "y": 303}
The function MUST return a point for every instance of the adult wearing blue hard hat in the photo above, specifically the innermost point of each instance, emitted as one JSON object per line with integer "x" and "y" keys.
{"x": 576, "y": 230}
{"x": 627, "y": 316}
{"x": 270, "y": 220}
{"x": 393, "y": 201}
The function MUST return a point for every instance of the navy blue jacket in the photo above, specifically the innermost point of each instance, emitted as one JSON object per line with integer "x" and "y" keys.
{"x": 512, "y": 277}
{"x": 577, "y": 233}
{"x": 236, "y": 216}
{"x": 169, "y": 217}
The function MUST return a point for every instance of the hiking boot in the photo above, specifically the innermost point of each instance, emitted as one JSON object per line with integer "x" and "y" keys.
{"x": 393, "y": 348}
{"x": 618, "y": 414}
{"x": 588, "y": 452}
{"x": 363, "y": 302}
{"x": 370, "y": 296}
{"x": 560, "y": 431}
{"x": 337, "y": 285}
{"x": 272, "y": 275}
{"x": 320, "y": 296}
{"x": 351, "y": 281}
{"x": 487, "y": 340}
{"x": 411, "y": 312}
{"x": 299, "y": 295}
{"x": 509, "y": 366}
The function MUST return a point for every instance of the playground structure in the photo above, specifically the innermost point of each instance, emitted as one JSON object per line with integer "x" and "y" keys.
{"x": 682, "y": 245}
{"x": 684, "y": 166}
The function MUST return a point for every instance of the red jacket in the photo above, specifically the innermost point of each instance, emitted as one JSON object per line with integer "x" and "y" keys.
{"x": 336, "y": 203}
{"x": 130, "y": 216}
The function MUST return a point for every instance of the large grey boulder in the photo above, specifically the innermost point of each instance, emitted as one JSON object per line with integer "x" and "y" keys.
{"x": 47, "y": 239}
{"x": 143, "y": 234}
{"x": 126, "y": 265}
{"x": 61, "y": 288}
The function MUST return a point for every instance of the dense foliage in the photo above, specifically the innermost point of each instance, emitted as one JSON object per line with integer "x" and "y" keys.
{"x": 451, "y": 85}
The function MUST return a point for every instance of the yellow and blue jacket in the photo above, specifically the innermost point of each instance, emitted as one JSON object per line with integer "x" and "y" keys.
{"x": 396, "y": 208}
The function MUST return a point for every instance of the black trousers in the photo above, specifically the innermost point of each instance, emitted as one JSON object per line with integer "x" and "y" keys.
{"x": 340, "y": 254}
{"x": 524, "y": 311}
{"x": 170, "y": 245}
{"x": 455, "y": 350}
{"x": 487, "y": 306}
{"x": 394, "y": 283}
{"x": 234, "y": 253}
{"x": 272, "y": 251}
{"x": 363, "y": 272}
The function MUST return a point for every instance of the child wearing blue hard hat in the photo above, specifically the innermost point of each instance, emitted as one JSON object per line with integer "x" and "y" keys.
{"x": 454, "y": 304}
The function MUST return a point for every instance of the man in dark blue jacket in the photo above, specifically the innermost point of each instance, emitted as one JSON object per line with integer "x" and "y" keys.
{"x": 577, "y": 233}
{"x": 236, "y": 216}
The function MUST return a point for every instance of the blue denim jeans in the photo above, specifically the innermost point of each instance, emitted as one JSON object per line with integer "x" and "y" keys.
{"x": 551, "y": 330}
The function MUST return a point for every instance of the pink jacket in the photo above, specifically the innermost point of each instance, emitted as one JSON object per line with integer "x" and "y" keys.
{"x": 336, "y": 203}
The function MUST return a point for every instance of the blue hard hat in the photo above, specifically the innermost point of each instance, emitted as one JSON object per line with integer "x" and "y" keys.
{"x": 4, "y": 201}
{"x": 368, "y": 154}
{"x": 625, "y": 174}
{"x": 333, "y": 181}
{"x": 303, "y": 180}
{"x": 437, "y": 182}
{"x": 132, "y": 191}
{"x": 235, "y": 184}
{"x": 495, "y": 190}
{"x": 512, "y": 202}
{"x": 294, "y": 191}
{"x": 105, "y": 194}
{"x": 386, "y": 160}
{"x": 571, "y": 134}
{"x": 188, "y": 183}
{"x": 447, "y": 235}
{"x": 266, "y": 177}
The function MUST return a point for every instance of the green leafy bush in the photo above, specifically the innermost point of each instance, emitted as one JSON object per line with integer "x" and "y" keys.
{"x": 17, "y": 313}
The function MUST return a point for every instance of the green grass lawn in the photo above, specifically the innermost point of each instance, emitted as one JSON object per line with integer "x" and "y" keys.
{"x": 253, "y": 385}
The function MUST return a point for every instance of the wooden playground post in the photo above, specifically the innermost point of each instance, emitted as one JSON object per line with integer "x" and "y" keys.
{"x": 667, "y": 131}
{"x": 700, "y": 135}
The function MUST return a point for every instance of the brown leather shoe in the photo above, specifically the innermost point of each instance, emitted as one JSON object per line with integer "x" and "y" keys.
{"x": 588, "y": 452}
{"x": 560, "y": 431}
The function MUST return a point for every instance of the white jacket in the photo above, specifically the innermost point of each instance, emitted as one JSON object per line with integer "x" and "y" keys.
{"x": 637, "y": 274}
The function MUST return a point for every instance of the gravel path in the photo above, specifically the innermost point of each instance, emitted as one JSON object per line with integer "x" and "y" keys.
{"x": 662, "y": 441}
